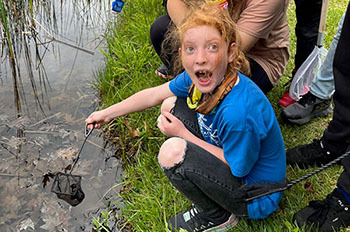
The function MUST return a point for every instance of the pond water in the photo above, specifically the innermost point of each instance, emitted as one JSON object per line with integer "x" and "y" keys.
{"x": 43, "y": 104}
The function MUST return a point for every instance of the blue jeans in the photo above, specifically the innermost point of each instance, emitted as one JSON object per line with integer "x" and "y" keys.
{"x": 203, "y": 178}
{"x": 323, "y": 85}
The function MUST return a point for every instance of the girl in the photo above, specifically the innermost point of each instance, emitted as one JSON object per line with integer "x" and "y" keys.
{"x": 223, "y": 131}
{"x": 261, "y": 24}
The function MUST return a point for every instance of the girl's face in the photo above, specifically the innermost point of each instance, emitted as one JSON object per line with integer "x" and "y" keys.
{"x": 205, "y": 56}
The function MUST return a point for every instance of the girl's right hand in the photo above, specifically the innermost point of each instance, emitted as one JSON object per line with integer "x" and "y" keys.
{"x": 170, "y": 125}
{"x": 98, "y": 118}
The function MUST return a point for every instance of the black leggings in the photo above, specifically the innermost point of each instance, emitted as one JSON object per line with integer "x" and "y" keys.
{"x": 308, "y": 13}
{"x": 157, "y": 33}
{"x": 259, "y": 76}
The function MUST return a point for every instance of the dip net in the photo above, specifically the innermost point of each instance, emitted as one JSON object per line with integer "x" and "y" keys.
{"x": 68, "y": 188}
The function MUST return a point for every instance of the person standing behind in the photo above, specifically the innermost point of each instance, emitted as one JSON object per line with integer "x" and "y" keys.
{"x": 308, "y": 14}
{"x": 317, "y": 102}
{"x": 333, "y": 212}
{"x": 262, "y": 25}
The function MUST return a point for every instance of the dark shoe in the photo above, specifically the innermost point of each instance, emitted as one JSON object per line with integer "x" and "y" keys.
{"x": 330, "y": 214}
{"x": 163, "y": 71}
{"x": 310, "y": 154}
{"x": 286, "y": 100}
{"x": 193, "y": 220}
{"x": 309, "y": 106}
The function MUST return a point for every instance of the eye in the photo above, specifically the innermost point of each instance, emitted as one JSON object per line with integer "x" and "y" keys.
{"x": 213, "y": 47}
{"x": 189, "y": 49}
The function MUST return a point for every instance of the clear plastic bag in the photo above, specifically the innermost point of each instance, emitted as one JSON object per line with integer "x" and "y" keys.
{"x": 306, "y": 73}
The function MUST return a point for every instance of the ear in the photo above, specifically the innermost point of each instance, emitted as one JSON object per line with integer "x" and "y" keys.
{"x": 231, "y": 52}
{"x": 180, "y": 51}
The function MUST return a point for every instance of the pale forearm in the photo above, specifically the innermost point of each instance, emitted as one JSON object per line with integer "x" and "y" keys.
{"x": 177, "y": 11}
{"x": 247, "y": 41}
{"x": 139, "y": 101}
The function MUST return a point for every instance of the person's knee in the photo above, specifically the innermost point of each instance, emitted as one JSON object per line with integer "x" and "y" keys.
{"x": 168, "y": 104}
{"x": 172, "y": 152}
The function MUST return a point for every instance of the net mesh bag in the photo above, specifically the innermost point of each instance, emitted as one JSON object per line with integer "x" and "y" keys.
{"x": 68, "y": 188}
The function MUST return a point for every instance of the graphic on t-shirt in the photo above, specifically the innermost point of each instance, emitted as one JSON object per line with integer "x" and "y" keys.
{"x": 206, "y": 127}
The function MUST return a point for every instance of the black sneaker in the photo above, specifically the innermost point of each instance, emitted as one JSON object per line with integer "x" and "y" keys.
{"x": 330, "y": 214}
{"x": 310, "y": 154}
{"x": 194, "y": 220}
{"x": 309, "y": 106}
{"x": 163, "y": 71}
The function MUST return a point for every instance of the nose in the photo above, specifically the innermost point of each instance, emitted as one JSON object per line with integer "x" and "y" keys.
{"x": 201, "y": 57}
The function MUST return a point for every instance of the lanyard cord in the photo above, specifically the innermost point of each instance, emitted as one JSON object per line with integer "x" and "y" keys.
{"x": 269, "y": 188}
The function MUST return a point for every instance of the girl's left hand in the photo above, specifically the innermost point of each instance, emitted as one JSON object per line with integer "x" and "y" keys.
{"x": 170, "y": 125}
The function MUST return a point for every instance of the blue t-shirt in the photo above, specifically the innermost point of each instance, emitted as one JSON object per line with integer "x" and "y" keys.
{"x": 245, "y": 127}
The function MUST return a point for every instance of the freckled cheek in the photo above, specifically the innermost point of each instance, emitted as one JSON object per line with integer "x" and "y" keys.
{"x": 215, "y": 60}
{"x": 186, "y": 61}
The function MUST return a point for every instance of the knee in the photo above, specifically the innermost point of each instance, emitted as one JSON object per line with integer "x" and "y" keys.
{"x": 172, "y": 152}
{"x": 168, "y": 104}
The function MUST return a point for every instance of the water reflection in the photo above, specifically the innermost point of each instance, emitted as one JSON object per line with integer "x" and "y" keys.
{"x": 50, "y": 51}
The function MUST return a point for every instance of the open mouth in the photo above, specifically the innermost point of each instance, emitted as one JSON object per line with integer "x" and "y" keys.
{"x": 203, "y": 75}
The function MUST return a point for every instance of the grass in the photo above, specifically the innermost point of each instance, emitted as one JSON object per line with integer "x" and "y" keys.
{"x": 148, "y": 198}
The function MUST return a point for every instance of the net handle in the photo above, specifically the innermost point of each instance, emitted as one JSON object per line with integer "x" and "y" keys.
{"x": 87, "y": 133}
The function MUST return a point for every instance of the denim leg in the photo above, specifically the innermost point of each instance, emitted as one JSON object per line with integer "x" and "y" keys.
{"x": 323, "y": 85}
{"x": 187, "y": 116}
{"x": 207, "y": 182}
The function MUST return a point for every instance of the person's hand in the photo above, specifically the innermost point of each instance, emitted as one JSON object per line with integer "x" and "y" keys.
{"x": 170, "y": 125}
{"x": 97, "y": 118}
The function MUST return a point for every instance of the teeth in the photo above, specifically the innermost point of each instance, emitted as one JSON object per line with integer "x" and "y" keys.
{"x": 203, "y": 73}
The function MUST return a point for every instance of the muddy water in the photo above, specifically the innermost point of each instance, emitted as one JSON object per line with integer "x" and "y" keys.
{"x": 42, "y": 134}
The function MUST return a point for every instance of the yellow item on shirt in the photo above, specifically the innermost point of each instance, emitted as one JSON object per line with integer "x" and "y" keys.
{"x": 206, "y": 103}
